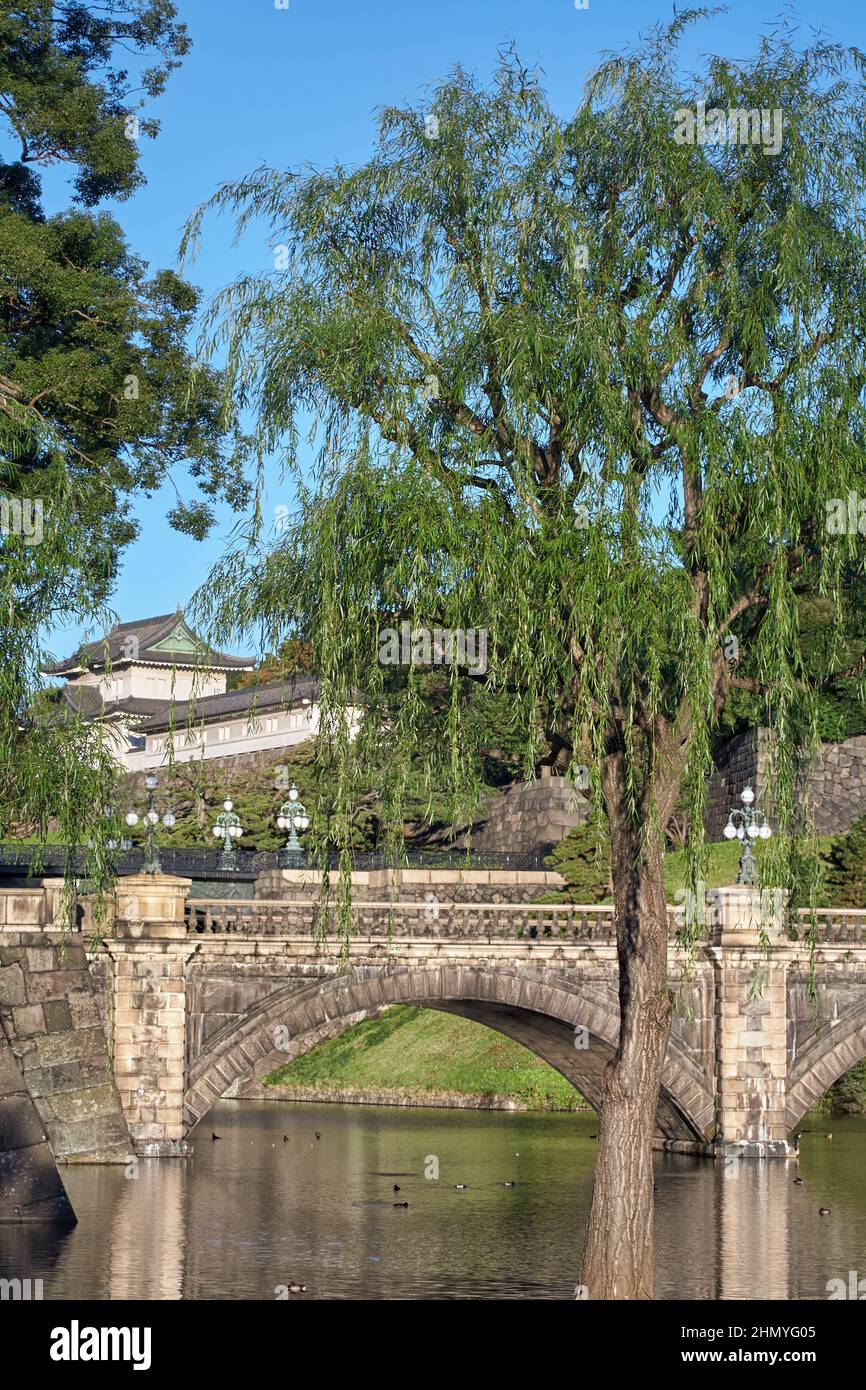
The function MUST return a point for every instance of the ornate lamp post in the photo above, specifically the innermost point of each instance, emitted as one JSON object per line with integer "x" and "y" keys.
{"x": 122, "y": 844}
{"x": 228, "y": 829}
{"x": 293, "y": 816}
{"x": 113, "y": 843}
{"x": 151, "y": 819}
{"x": 748, "y": 825}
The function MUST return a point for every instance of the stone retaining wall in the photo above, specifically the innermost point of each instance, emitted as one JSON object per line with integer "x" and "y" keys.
{"x": 224, "y": 768}
{"x": 30, "y": 1185}
{"x": 836, "y": 784}
{"x": 530, "y": 817}
{"x": 738, "y": 767}
{"x": 50, "y": 1010}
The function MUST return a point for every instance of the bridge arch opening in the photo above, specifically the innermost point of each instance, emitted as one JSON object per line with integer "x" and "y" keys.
{"x": 827, "y": 1056}
{"x": 542, "y": 1014}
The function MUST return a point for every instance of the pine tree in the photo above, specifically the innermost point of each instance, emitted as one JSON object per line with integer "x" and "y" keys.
{"x": 99, "y": 399}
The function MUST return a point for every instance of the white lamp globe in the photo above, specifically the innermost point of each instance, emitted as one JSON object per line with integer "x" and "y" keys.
{"x": 238, "y": 831}
{"x": 281, "y": 822}
{"x": 765, "y": 832}
{"x": 217, "y": 831}
{"x": 747, "y": 796}
{"x": 153, "y": 817}
{"x": 131, "y": 818}
{"x": 740, "y": 832}
{"x": 228, "y": 805}
{"x": 729, "y": 832}
{"x": 168, "y": 819}
{"x": 293, "y": 793}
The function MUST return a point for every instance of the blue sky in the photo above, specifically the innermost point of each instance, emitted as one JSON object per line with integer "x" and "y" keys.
{"x": 303, "y": 84}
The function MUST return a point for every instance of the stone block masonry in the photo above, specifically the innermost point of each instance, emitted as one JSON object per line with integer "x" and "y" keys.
{"x": 535, "y": 816}
{"x": 526, "y": 818}
{"x": 30, "y": 1186}
{"x": 52, "y": 1021}
{"x": 738, "y": 766}
{"x": 835, "y": 786}
{"x": 751, "y": 1041}
{"x": 150, "y": 954}
{"x": 531, "y": 816}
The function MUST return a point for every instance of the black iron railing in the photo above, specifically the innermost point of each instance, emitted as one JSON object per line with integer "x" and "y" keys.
{"x": 19, "y": 861}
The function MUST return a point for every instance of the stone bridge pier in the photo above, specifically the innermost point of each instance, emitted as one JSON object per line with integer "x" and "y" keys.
{"x": 206, "y": 995}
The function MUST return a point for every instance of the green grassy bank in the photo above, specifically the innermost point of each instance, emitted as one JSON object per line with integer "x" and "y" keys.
{"x": 417, "y": 1053}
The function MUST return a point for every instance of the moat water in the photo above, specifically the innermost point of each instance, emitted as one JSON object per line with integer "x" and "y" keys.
{"x": 250, "y": 1213}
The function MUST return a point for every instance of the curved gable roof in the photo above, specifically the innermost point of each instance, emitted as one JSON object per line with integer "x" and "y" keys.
{"x": 166, "y": 640}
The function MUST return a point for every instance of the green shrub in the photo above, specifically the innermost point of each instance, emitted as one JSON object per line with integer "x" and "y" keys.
{"x": 583, "y": 860}
{"x": 848, "y": 1095}
{"x": 846, "y": 867}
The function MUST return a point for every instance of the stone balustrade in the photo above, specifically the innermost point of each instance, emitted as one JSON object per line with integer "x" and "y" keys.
{"x": 835, "y": 925}
{"x": 444, "y": 920}
{"x": 423, "y": 920}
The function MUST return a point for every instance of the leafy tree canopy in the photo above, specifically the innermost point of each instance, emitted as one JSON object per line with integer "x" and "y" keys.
{"x": 99, "y": 397}
{"x": 66, "y": 98}
{"x": 586, "y": 384}
{"x": 196, "y": 789}
{"x": 517, "y": 333}
{"x": 846, "y": 867}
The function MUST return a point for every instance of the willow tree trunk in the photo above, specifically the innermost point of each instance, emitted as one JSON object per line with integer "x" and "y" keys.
{"x": 618, "y": 1257}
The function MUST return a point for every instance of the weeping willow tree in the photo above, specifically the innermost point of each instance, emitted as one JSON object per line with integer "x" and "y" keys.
{"x": 588, "y": 387}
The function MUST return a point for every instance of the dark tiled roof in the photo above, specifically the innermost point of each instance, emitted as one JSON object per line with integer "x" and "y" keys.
{"x": 252, "y": 700}
{"x": 135, "y": 642}
{"x": 86, "y": 700}
{"x": 135, "y": 704}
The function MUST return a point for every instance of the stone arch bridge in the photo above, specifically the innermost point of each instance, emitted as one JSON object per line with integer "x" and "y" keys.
{"x": 205, "y": 994}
